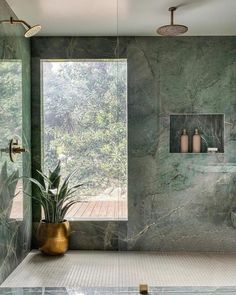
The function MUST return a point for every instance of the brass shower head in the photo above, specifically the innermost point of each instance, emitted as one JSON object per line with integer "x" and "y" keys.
{"x": 172, "y": 29}
{"x": 30, "y": 32}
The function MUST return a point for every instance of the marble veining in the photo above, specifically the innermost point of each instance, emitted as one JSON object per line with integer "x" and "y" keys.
{"x": 187, "y": 209}
{"x": 175, "y": 202}
{"x": 15, "y": 234}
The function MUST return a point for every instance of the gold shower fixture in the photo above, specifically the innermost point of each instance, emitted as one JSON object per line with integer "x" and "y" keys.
{"x": 172, "y": 29}
{"x": 30, "y": 32}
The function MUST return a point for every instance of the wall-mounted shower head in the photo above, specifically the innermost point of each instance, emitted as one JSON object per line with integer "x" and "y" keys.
{"x": 172, "y": 29}
{"x": 30, "y": 32}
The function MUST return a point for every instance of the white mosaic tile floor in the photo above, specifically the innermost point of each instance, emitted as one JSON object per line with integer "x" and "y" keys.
{"x": 124, "y": 269}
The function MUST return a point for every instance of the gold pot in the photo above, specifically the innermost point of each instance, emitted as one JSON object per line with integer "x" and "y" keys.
{"x": 53, "y": 238}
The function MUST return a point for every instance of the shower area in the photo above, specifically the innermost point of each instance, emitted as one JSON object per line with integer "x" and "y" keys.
{"x": 111, "y": 106}
{"x": 15, "y": 207}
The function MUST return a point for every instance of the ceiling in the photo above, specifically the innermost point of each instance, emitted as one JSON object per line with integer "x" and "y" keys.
{"x": 127, "y": 17}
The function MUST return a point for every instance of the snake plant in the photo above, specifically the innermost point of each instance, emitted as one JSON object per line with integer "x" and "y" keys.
{"x": 55, "y": 197}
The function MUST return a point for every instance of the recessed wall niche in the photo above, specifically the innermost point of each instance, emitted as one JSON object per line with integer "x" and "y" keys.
{"x": 210, "y": 126}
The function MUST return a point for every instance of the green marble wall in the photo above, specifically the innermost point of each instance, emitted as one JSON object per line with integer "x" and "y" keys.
{"x": 176, "y": 202}
{"x": 15, "y": 233}
{"x": 180, "y": 202}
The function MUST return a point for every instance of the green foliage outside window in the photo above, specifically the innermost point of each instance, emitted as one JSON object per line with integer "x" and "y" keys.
{"x": 85, "y": 117}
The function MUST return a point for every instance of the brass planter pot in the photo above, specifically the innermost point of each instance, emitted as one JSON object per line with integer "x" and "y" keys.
{"x": 53, "y": 238}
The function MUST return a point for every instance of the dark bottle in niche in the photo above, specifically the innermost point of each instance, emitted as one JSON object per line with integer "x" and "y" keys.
{"x": 184, "y": 142}
{"x": 196, "y": 142}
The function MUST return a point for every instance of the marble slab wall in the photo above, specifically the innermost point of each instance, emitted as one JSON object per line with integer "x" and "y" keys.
{"x": 176, "y": 202}
{"x": 180, "y": 202}
{"x": 15, "y": 233}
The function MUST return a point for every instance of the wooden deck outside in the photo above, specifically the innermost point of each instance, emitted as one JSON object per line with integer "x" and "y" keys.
{"x": 89, "y": 210}
{"x": 95, "y": 210}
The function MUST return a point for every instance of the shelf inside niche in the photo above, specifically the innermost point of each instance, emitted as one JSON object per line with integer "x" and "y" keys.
{"x": 210, "y": 126}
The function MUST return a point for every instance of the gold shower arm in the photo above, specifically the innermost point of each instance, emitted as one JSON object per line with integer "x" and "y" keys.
{"x": 15, "y": 21}
{"x": 30, "y": 31}
{"x": 172, "y": 9}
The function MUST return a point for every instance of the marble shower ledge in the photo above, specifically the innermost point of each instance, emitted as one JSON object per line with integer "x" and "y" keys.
{"x": 216, "y": 168}
{"x": 116, "y": 291}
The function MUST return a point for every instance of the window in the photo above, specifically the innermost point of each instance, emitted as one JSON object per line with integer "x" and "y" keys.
{"x": 11, "y": 126}
{"x": 85, "y": 127}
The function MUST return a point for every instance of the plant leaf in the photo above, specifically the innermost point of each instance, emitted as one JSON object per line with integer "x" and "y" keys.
{"x": 54, "y": 175}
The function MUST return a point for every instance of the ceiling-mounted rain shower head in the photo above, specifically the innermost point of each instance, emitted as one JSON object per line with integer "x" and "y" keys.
{"x": 172, "y": 29}
{"x": 30, "y": 32}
